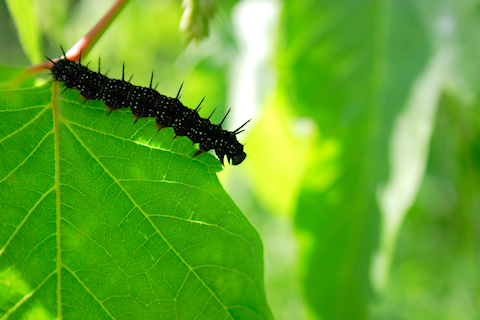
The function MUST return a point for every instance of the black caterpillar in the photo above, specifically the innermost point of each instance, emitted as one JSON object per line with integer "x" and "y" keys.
{"x": 147, "y": 102}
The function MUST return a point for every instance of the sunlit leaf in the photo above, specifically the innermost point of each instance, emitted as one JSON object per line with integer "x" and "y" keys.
{"x": 103, "y": 218}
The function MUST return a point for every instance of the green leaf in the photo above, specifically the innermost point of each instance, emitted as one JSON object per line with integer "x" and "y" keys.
{"x": 22, "y": 12}
{"x": 105, "y": 219}
{"x": 12, "y": 78}
{"x": 348, "y": 65}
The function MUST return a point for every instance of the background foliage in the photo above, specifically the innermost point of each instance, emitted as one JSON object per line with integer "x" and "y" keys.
{"x": 362, "y": 175}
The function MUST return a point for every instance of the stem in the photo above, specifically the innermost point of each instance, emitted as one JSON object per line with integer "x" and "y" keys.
{"x": 84, "y": 45}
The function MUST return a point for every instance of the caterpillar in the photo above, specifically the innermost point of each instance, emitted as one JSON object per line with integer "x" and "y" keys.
{"x": 147, "y": 102}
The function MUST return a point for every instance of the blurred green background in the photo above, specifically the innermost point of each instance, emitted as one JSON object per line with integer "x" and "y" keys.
{"x": 363, "y": 166}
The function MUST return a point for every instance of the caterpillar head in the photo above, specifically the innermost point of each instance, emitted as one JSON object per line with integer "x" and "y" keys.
{"x": 238, "y": 158}
{"x": 228, "y": 145}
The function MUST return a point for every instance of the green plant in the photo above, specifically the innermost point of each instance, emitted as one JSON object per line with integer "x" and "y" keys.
{"x": 104, "y": 219}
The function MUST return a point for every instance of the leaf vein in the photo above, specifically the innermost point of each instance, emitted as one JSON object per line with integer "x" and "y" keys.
{"x": 27, "y": 157}
{"x": 25, "y": 219}
{"x": 25, "y": 125}
{"x": 88, "y": 290}
{"x": 26, "y": 297}
{"x": 148, "y": 218}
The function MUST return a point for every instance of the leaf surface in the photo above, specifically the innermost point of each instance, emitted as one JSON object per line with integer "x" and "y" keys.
{"x": 108, "y": 220}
